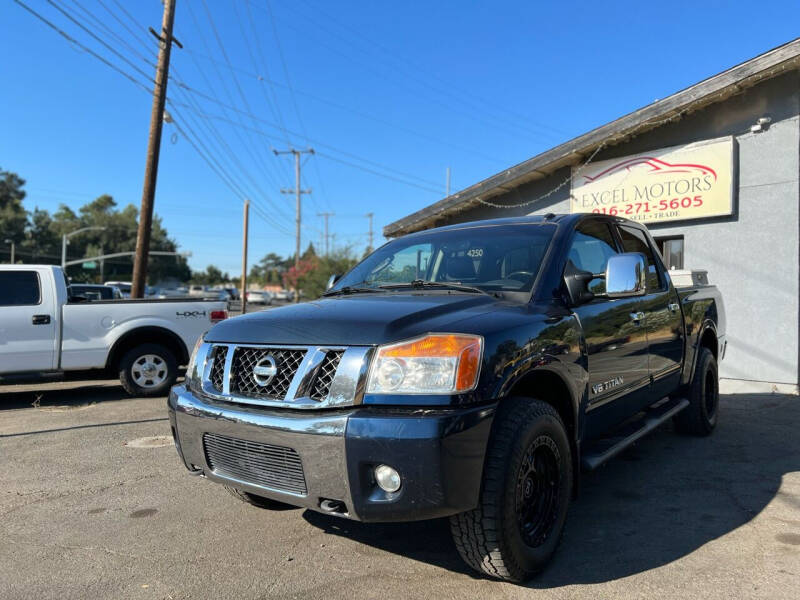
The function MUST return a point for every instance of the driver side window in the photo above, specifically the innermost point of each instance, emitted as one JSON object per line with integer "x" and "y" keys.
{"x": 591, "y": 248}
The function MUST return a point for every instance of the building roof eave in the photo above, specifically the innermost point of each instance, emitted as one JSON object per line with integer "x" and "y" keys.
{"x": 575, "y": 151}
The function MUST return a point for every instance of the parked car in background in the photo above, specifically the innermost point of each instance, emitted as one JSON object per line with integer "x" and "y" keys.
{"x": 143, "y": 341}
{"x": 259, "y": 297}
{"x": 282, "y": 296}
{"x": 172, "y": 293}
{"x": 123, "y": 286}
{"x": 198, "y": 290}
{"x": 94, "y": 292}
{"x": 468, "y": 372}
{"x": 233, "y": 293}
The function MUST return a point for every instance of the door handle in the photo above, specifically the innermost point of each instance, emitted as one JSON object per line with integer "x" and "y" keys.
{"x": 41, "y": 319}
{"x": 637, "y": 317}
{"x": 673, "y": 306}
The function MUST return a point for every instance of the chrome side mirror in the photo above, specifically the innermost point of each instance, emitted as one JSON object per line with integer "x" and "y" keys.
{"x": 626, "y": 275}
{"x": 332, "y": 281}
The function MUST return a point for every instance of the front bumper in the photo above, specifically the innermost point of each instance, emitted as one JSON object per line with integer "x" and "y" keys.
{"x": 438, "y": 453}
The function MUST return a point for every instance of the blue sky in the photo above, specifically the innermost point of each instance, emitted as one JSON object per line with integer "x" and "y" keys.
{"x": 389, "y": 94}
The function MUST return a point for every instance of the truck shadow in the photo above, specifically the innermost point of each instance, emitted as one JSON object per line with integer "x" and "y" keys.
{"x": 659, "y": 501}
{"x": 61, "y": 395}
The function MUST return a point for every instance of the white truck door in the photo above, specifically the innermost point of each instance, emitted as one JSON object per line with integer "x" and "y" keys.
{"x": 28, "y": 320}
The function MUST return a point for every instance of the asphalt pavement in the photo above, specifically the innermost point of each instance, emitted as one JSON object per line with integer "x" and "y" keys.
{"x": 94, "y": 503}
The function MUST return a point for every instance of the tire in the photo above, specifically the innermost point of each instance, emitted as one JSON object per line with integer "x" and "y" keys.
{"x": 258, "y": 501}
{"x": 490, "y": 538}
{"x": 133, "y": 372}
{"x": 700, "y": 417}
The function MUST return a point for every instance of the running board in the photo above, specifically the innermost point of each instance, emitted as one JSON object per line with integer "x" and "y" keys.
{"x": 604, "y": 449}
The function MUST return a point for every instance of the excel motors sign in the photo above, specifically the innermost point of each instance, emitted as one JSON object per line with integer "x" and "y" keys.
{"x": 694, "y": 181}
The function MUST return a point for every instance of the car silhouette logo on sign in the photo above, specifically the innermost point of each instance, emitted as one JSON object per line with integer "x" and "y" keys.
{"x": 264, "y": 371}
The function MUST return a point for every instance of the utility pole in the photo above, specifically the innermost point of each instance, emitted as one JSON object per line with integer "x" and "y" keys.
{"x": 298, "y": 192}
{"x": 13, "y": 250}
{"x": 447, "y": 184}
{"x": 65, "y": 237}
{"x": 369, "y": 215}
{"x": 244, "y": 255}
{"x": 325, "y": 215}
{"x": 153, "y": 150}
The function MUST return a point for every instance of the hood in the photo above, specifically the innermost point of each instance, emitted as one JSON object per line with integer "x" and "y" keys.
{"x": 362, "y": 319}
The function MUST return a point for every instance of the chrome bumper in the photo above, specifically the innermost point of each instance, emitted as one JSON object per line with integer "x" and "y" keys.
{"x": 438, "y": 453}
{"x": 318, "y": 439}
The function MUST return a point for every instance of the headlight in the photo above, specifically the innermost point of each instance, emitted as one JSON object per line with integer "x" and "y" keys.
{"x": 433, "y": 364}
{"x": 194, "y": 370}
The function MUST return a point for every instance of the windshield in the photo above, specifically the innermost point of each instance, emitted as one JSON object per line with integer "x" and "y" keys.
{"x": 496, "y": 258}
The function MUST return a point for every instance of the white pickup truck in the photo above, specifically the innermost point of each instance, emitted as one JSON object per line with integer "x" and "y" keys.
{"x": 144, "y": 341}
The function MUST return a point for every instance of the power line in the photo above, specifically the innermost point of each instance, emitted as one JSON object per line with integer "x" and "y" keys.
{"x": 291, "y": 91}
{"x": 415, "y": 68}
{"x": 214, "y": 132}
{"x": 84, "y": 48}
{"x": 102, "y": 25}
{"x": 252, "y": 147}
{"x": 208, "y": 159}
{"x": 262, "y": 79}
{"x": 99, "y": 40}
{"x": 126, "y": 27}
{"x": 434, "y": 187}
{"x": 260, "y": 50}
{"x": 273, "y": 106}
{"x": 474, "y": 113}
{"x": 235, "y": 79}
{"x": 210, "y": 126}
{"x": 219, "y": 170}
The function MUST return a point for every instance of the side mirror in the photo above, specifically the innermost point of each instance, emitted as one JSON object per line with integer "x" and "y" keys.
{"x": 626, "y": 275}
{"x": 332, "y": 281}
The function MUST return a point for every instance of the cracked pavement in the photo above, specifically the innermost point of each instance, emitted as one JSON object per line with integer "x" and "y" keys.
{"x": 83, "y": 515}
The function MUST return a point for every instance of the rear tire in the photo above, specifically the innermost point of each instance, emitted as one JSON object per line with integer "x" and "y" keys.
{"x": 700, "y": 417}
{"x": 148, "y": 370}
{"x": 258, "y": 501}
{"x": 527, "y": 484}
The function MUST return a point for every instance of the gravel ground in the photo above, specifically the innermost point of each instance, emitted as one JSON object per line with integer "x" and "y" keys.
{"x": 88, "y": 509}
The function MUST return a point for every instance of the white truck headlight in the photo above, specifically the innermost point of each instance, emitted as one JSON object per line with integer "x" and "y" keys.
{"x": 434, "y": 364}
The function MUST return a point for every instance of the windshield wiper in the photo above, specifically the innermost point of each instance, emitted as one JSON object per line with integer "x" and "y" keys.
{"x": 350, "y": 289}
{"x": 421, "y": 284}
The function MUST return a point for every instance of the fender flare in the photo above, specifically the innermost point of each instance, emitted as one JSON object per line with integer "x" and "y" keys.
{"x": 147, "y": 333}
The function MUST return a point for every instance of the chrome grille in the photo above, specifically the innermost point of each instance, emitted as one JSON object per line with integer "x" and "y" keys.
{"x": 274, "y": 467}
{"x": 217, "y": 375}
{"x": 298, "y": 377}
{"x": 245, "y": 359}
{"x": 325, "y": 375}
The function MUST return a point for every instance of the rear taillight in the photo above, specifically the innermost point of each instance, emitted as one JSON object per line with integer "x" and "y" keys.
{"x": 218, "y": 315}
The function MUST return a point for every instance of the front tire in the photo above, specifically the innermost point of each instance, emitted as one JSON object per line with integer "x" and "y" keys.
{"x": 148, "y": 370}
{"x": 700, "y": 417}
{"x": 527, "y": 483}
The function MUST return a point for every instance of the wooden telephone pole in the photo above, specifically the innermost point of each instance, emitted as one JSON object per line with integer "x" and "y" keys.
{"x": 298, "y": 192}
{"x": 153, "y": 149}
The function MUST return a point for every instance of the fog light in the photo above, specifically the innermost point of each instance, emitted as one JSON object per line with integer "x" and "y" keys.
{"x": 387, "y": 478}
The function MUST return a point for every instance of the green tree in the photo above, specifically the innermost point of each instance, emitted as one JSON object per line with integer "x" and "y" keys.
{"x": 316, "y": 271}
{"x": 41, "y": 240}
{"x": 13, "y": 216}
{"x": 211, "y": 276}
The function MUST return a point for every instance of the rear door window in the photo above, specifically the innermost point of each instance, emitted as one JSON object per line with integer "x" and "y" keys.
{"x": 20, "y": 288}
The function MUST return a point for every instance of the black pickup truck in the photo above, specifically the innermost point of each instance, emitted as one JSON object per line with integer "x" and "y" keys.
{"x": 469, "y": 371}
